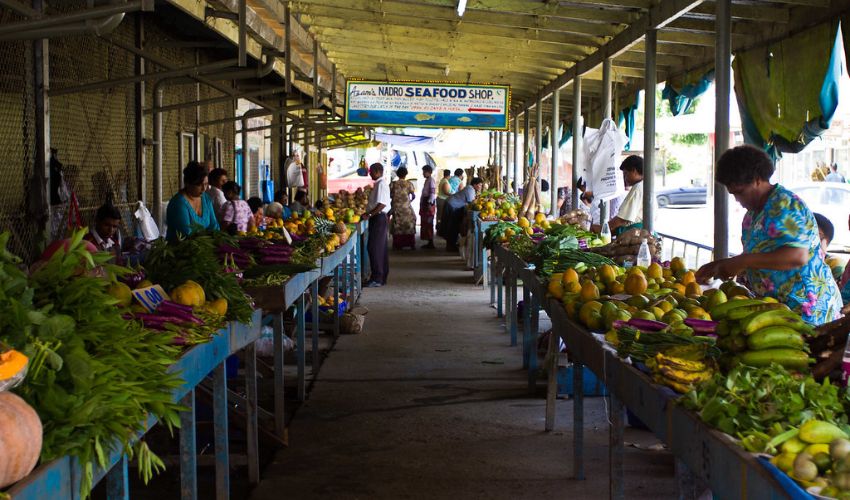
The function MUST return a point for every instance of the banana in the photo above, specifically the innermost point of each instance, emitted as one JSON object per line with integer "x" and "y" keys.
{"x": 684, "y": 377}
{"x": 680, "y": 364}
{"x": 676, "y": 386}
{"x": 720, "y": 311}
{"x": 742, "y": 312}
{"x": 775, "y": 317}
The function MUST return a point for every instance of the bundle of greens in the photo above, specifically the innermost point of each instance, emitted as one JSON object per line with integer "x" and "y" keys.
{"x": 194, "y": 258}
{"x": 570, "y": 258}
{"x": 522, "y": 245}
{"x": 567, "y": 230}
{"x": 93, "y": 378}
{"x": 494, "y": 233}
{"x": 641, "y": 345}
{"x": 756, "y": 404}
{"x": 551, "y": 247}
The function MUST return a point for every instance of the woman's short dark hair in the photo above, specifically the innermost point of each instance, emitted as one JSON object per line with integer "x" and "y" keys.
{"x": 826, "y": 226}
{"x": 107, "y": 211}
{"x": 632, "y": 163}
{"x": 401, "y": 172}
{"x": 279, "y": 195}
{"x": 459, "y": 172}
{"x": 376, "y": 167}
{"x": 743, "y": 165}
{"x": 447, "y": 173}
{"x": 216, "y": 174}
{"x": 255, "y": 204}
{"x": 194, "y": 174}
{"x": 300, "y": 196}
{"x": 427, "y": 168}
{"x": 232, "y": 187}
{"x": 476, "y": 181}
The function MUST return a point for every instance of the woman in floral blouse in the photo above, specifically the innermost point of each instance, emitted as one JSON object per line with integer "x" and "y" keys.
{"x": 782, "y": 256}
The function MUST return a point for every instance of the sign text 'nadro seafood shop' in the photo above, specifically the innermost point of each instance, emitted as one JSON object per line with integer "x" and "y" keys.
{"x": 435, "y": 105}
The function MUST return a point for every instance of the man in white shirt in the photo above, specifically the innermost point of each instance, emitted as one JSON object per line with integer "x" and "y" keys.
{"x": 217, "y": 178}
{"x": 631, "y": 210}
{"x": 376, "y": 213}
{"x": 834, "y": 176}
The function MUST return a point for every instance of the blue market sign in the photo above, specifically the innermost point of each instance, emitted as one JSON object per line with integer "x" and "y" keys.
{"x": 433, "y": 105}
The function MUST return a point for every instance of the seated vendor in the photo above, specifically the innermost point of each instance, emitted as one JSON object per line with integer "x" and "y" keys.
{"x": 782, "y": 255}
{"x": 630, "y": 211}
{"x": 191, "y": 207}
{"x": 105, "y": 234}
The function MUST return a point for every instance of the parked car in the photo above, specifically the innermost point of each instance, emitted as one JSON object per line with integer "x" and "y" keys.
{"x": 832, "y": 200}
{"x": 685, "y": 195}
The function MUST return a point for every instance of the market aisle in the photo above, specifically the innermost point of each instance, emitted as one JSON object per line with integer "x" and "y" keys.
{"x": 431, "y": 402}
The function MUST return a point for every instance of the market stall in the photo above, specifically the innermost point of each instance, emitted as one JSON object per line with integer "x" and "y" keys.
{"x": 654, "y": 352}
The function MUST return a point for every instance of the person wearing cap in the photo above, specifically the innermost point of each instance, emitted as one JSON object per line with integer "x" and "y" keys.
{"x": 376, "y": 214}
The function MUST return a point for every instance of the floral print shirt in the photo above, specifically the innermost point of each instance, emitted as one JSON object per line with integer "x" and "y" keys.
{"x": 786, "y": 221}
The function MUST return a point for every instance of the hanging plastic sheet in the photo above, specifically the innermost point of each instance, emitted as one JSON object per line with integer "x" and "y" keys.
{"x": 626, "y": 119}
{"x": 566, "y": 134}
{"x": 788, "y": 91}
{"x": 546, "y": 136}
{"x": 681, "y": 91}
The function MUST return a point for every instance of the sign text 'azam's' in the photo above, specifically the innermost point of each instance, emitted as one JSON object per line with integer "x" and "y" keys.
{"x": 435, "y": 105}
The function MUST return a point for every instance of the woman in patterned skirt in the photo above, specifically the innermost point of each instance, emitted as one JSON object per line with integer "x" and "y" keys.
{"x": 403, "y": 221}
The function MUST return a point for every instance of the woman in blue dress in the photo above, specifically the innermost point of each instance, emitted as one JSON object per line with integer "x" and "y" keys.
{"x": 782, "y": 255}
{"x": 191, "y": 207}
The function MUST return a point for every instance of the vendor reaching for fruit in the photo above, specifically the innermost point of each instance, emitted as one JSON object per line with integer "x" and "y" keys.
{"x": 782, "y": 255}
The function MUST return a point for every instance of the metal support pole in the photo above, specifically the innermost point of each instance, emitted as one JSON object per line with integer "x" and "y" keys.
{"x": 157, "y": 160}
{"x": 578, "y": 421}
{"x": 279, "y": 399}
{"x": 314, "y": 313}
{"x": 556, "y": 157}
{"x": 141, "y": 93}
{"x": 41, "y": 73}
{"x": 722, "y": 88}
{"x": 508, "y": 162}
{"x": 253, "y": 446}
{"x": 516, "y": 155}
{"x": 650, "y": 81}
{"x": 333, "y": 88}
{"x": 552, "y": 356}
{"x": 577, "y": 138}
{"x": 118, "y": 480}
{"x": 188, "y": 453}
{"x": 287, "y": 47}
{"x": 222, "y": 443}
{"x": 615, "y": 448}
{"x": 538, "y": 133}
{"x": 243, "y": 33}
{"x": 301, "y": 349}
{"x": 526, "y": 137}
{"x": 606, "y": 88}
{"x": 246, "y": 188}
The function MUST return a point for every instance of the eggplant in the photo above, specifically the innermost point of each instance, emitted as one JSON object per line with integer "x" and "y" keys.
{"x": 646, "y": 325}
{"x": 702, "y": 326}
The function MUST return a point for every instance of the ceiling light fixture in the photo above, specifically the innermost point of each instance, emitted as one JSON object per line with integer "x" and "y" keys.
{"x": 461, "y": 7}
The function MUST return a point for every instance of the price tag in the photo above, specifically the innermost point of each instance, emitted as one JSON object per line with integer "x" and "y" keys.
{"x": 150, "y": 297}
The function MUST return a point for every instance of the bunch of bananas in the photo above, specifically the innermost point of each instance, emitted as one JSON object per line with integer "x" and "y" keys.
{"x": 682, "y": 367}
{"x": 761, "y": 332}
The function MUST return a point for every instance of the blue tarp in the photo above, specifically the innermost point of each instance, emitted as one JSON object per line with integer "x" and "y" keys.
{"x": 681, "y": 99}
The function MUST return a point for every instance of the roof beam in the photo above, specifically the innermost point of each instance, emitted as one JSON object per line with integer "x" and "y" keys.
{"x": 742, "y": 12}
{"x": 657, "y": 17}
{"x": 438, "y": 29}
{"x": 468, "y": 42}
{"x": 385, "y": 11}
{"x": 600, "y": 10}
{"x": 456, "y": 67}
{"x": 454, "y": 62}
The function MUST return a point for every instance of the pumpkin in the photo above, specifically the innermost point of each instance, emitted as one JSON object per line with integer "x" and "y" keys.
{"x": 11, "y": 364}
{"x": 20, "y": 438}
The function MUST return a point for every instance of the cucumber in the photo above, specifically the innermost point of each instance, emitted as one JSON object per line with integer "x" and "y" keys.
{"x": 742, "y": 312}
{"x": 787, "y": 358}
{"x": 775, "y": 336}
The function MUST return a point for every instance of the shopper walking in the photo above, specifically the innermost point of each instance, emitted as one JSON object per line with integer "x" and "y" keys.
{"x": 235, "y": 215}
{"x": 217, "y": 178}
{"x": 456, "y": 210}
{"x": 834, "y": 176}
{"x": 456, "y": 181}
{"x": 376, "y": 214}
{"x": 427, "y": 207}
{"x": 402, "y": 216}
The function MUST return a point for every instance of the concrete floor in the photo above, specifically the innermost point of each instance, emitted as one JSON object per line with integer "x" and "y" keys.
{"x": 432, "y": 402}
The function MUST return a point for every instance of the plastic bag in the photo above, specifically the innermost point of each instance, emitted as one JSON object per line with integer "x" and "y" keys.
{"x": 602, "y": 151}
{"x": 294, "y": 179}
{"x": 16, "y": 364}
{"x": 148, "y": 227}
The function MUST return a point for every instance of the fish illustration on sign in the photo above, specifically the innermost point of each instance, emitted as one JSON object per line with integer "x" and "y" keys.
{"x": 421, "y": 117}
{"x": 464, "y": 119}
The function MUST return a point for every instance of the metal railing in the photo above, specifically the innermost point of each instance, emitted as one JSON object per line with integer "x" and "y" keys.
{"x": 694, "y": 254}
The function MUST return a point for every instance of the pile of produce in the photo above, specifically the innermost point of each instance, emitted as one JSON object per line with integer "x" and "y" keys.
{"x": 626, "y": 246}
{"x": 762, "y": 332}
{"x": 271, "y": 275}
{"x": 576, "y": 217}
{"x": 195, "y": 259}
{"x": 500, "y": 232}
{"x": 495, "y": 205}
{"x": 643, "y": 340}
{"x": 532, "y": 197}
{"x": 356, "y": 202}
{"x": 758, "y": 404}
{"x": 817, "y": 456}
{"x": 683, "y": 367}
{"x": 189, "y": 324}
{"x": 93, "y": 377}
